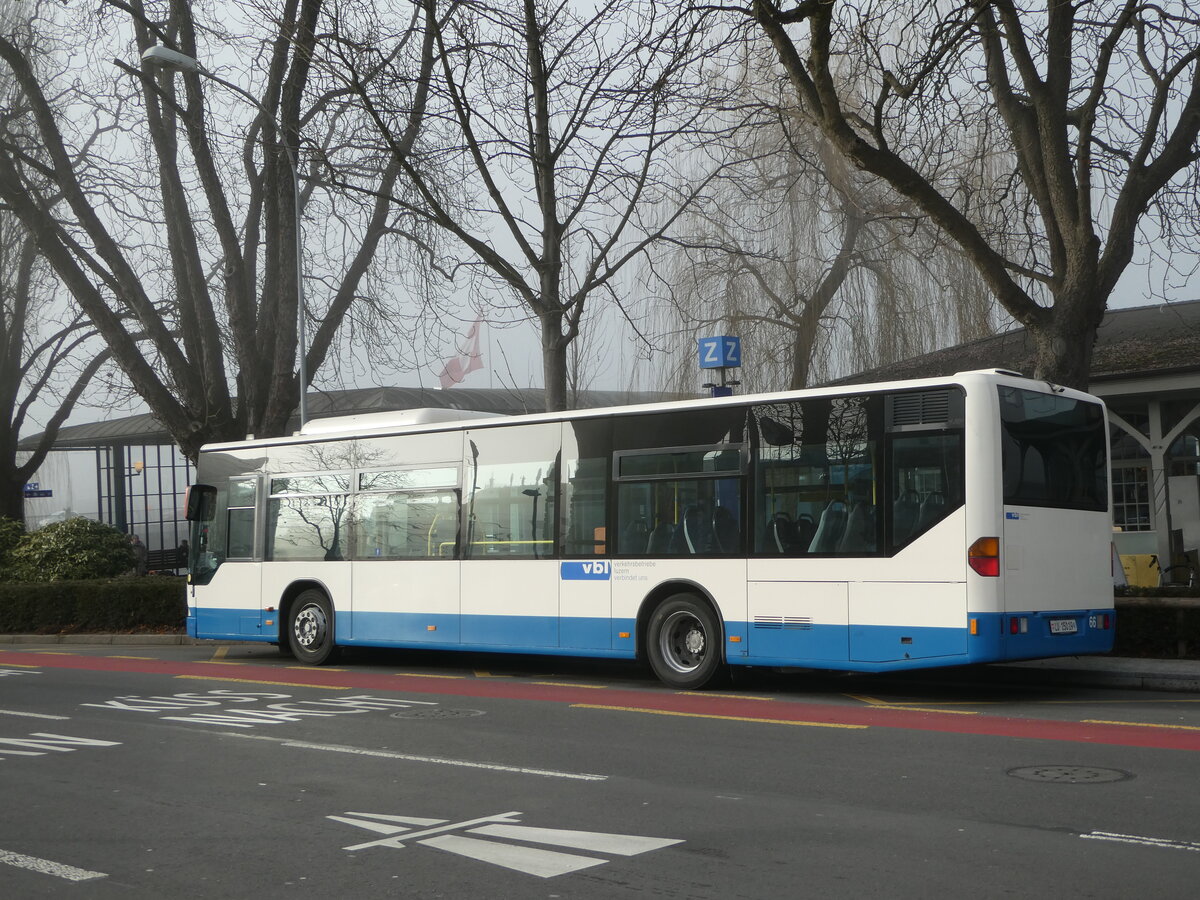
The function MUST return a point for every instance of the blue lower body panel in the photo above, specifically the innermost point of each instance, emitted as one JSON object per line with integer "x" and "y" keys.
{"x": 861, "y": 648}
{"x": 1042, "y": 634}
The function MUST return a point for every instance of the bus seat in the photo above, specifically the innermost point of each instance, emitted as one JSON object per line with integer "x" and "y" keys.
{"x": 786, "y": 535}
{"x": 859, "y": 535}
{"x": 830, "y": 528}
{"x": 805, "y": 529}
{"x": 905, "y": 512}
{"x": 661, "y": 538}
{"x": 635, "y": 536}
{"x": 696, "y": 535}
{"x": 726, "y": 534}
{"x": 933, "y": 508}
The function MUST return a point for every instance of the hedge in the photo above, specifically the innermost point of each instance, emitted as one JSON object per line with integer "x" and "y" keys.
{"x": 1165, "y": 627}
{"x": 99, "y": 605}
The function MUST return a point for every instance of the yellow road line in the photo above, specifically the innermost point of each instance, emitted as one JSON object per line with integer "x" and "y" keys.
{"x": 220, "y": 662}
{"x": 688, "y": 715}
{"x": 309, "y": 668}
{"x": 115, "y": 656}
{"x": 322, "y": 687}
{"x": 863, "y": 698}
{"x": 1119, "y": 700}
{"x": 726, "y": 696}
{"x": 481, "y": 674}
{"x": 423, "y": 675}
{"x": 902, "y": 707}
{"x": 590, "y": 687}
{"x": 19, "y": 666}
{"x": 1142, "y": 724}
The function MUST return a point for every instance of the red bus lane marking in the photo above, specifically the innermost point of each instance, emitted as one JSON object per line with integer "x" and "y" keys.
{"x": 622, "y": 702}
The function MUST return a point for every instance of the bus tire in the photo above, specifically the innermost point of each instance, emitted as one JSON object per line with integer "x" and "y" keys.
{"x": 310, "y": 628}
{"x": 684, "y": 643}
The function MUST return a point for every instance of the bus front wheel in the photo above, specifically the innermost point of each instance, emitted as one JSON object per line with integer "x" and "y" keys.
{"x": 684, "y": 643}
{"x": 310, "y": 628}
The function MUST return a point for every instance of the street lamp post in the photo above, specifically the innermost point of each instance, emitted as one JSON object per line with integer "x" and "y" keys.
{"x": 166, "y": 58}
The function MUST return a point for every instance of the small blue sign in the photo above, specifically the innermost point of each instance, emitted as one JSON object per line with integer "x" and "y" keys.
{"x": 1012, "y": 515}
{"x": 595, "y": 570}
{"x": 724, "y": 352}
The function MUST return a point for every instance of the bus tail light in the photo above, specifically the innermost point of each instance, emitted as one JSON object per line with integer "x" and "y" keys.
{"x": 984, "y": 556}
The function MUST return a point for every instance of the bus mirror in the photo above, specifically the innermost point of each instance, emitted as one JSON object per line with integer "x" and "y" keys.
{"x": 201, "y": 503}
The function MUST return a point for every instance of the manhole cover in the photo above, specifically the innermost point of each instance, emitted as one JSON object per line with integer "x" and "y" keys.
{"x": 1069, "y": 774}
{"x": 438, "y": 713}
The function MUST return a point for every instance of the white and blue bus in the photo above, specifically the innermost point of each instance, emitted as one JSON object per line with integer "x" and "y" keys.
{"x": 870, "y": 528}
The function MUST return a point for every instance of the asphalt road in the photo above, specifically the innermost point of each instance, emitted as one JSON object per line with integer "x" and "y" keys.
{"x": 218, "y": 771}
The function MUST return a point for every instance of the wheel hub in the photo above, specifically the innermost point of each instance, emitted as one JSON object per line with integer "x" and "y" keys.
{"x": 309, "y": 627}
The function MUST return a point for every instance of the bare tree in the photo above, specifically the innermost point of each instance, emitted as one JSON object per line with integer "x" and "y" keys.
{"x": 821, "y": 269}
{"x": 47, "y": 352}
{"x": 559, "y": 122}
{"x": 41, "y": 347}
{"x": 1097, "y": 103}
{"x": 185, "y": 263}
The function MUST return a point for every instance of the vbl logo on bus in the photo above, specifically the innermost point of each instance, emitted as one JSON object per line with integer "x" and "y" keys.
{"x": 595, "y": 570}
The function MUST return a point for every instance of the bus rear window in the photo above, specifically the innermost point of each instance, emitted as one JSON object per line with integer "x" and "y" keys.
{"x": 1053, "y": 451}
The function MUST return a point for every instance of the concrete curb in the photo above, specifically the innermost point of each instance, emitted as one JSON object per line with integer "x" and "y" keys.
{"x": 1137, "y": 681}
{"x": 1128, "y": 673}
{"x": 118, "y": 639}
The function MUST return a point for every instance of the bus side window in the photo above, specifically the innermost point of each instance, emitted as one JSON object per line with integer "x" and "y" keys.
{"x": 240, "y": 540}
{"x": 817, "y": 487}
{"x": 926, "y": 483}
{"x": 691, "y": 516}
{"x": 239, "y": 535}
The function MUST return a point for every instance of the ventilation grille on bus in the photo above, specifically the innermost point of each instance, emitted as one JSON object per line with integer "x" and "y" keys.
{"x": 924, "y": 408}
{"x": 783, "y": 622}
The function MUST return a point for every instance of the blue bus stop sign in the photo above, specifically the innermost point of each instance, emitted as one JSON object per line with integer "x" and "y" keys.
{"x": 724, "y": 352}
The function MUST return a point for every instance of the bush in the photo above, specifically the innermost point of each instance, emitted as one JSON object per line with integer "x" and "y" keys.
{"x": 78, "y": 548}
{"x": 105, "y": 605}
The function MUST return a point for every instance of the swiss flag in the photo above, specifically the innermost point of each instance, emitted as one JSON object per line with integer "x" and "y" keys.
{"x": 468, "y": 360}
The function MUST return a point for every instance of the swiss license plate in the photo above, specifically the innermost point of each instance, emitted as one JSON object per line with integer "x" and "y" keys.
{"x": 1063, "y": 626}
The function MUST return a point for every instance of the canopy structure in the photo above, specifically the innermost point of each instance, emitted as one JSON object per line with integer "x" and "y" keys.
{"x": 144, "y": 429}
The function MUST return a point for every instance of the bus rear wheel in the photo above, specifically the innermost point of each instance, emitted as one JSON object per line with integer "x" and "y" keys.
{"x": 684, "y": 643}
{"x": 310, "y": 628}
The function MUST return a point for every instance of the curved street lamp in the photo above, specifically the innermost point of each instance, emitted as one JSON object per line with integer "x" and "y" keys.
{"x": 172, "y": 60}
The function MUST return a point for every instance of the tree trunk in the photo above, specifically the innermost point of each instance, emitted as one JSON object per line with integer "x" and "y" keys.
{"x": 554, "y": 361}
{"x": 1065, "y": 342}
{"x": 803, "y": 340}
{"x": 12, "y": 498}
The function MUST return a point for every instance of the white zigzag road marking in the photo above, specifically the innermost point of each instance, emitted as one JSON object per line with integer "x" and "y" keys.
{"x": 537, "y": 861}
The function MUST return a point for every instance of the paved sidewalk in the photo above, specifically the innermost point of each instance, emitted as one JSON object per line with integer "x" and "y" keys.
{"x": 1114, "y": 671}
{"x": 1096, "y": 671}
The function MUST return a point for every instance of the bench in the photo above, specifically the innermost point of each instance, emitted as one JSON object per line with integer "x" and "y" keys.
{"x": 159, "y": 560}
